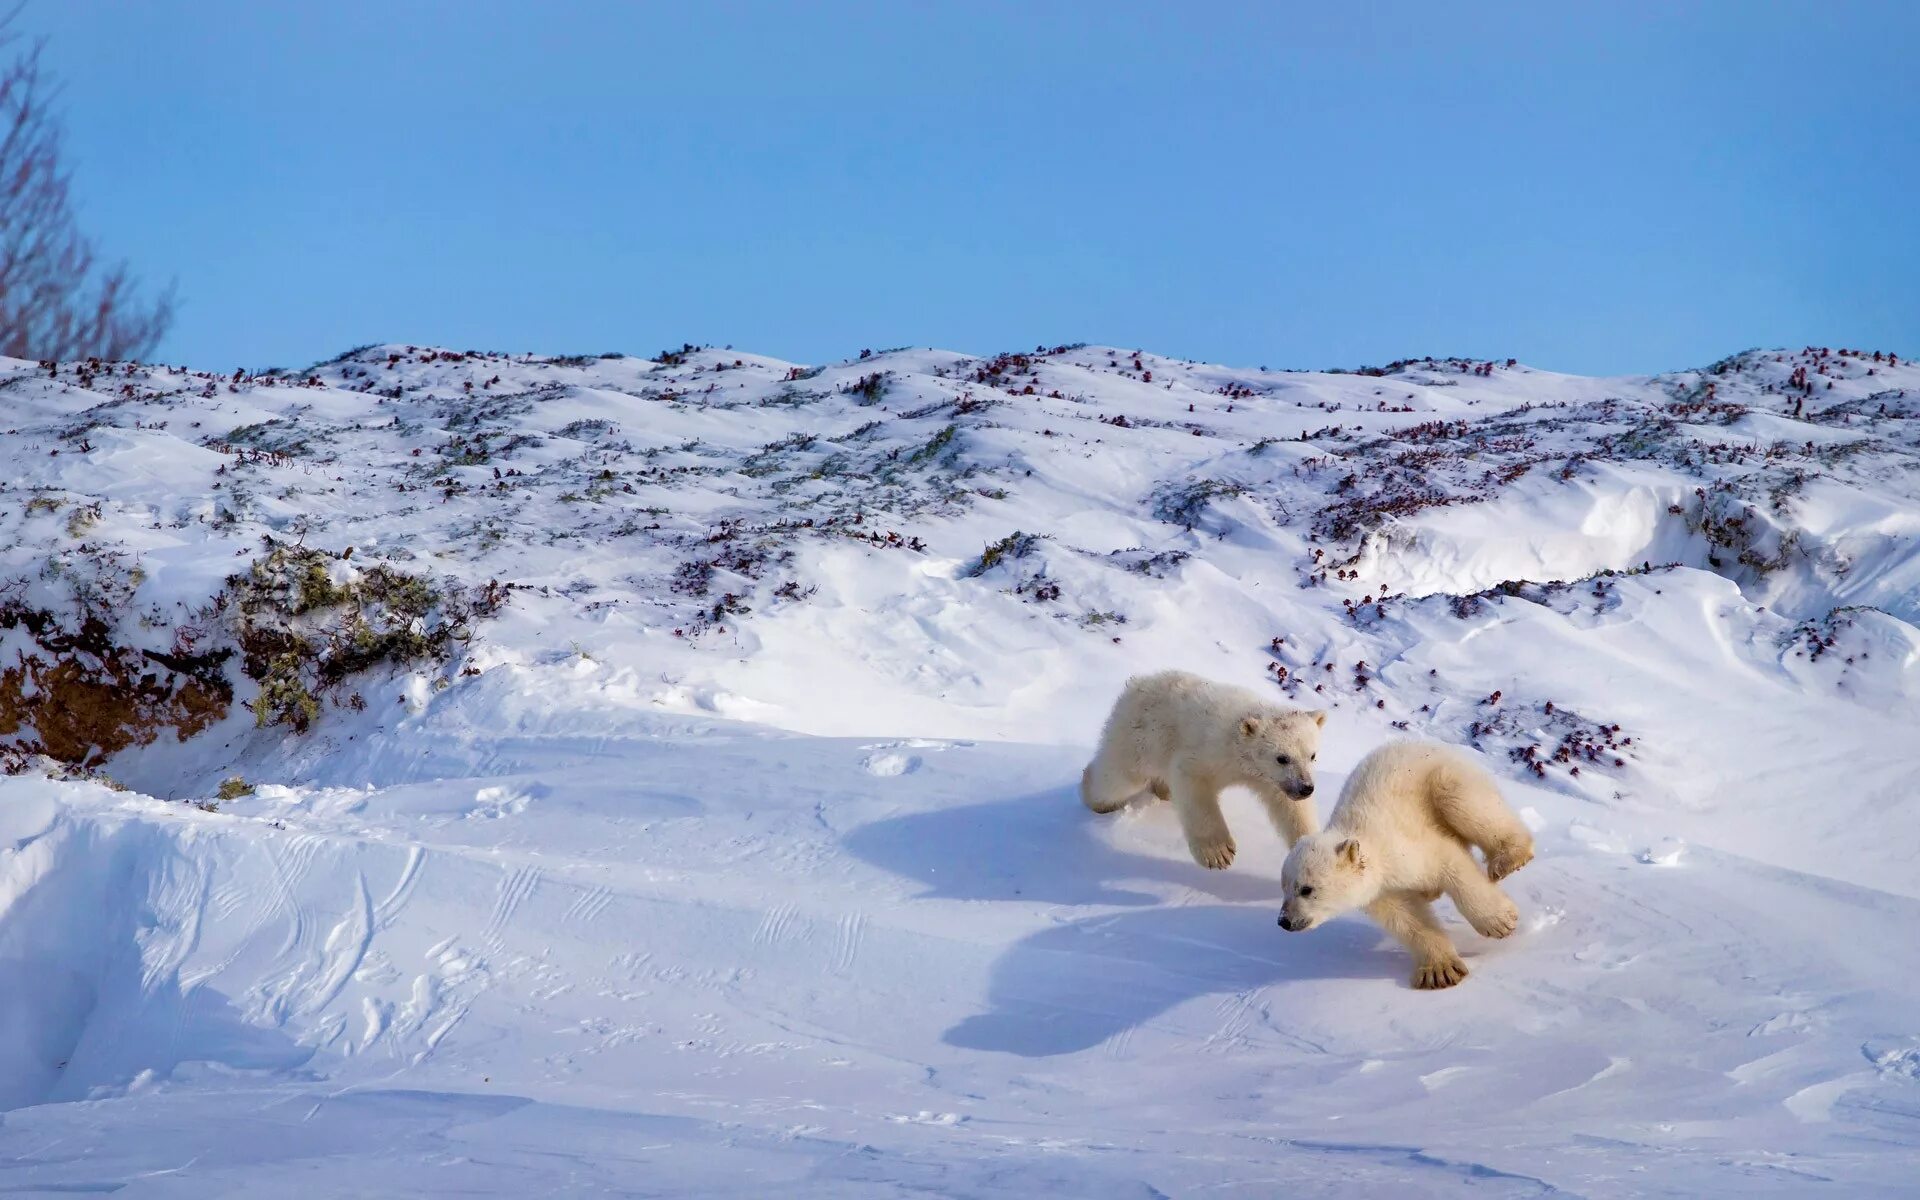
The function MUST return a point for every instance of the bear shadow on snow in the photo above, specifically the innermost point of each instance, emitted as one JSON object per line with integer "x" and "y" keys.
{"x": 1071, "y": 987}
{"x": 1044, "y": 848}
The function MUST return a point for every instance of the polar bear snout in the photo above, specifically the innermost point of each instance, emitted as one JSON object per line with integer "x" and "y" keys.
{"x": 1296, "y": 918}
{"x": 1300, "y": 790}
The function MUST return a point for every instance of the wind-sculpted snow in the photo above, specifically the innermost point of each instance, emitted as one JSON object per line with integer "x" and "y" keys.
{"x": 531, "y": 776}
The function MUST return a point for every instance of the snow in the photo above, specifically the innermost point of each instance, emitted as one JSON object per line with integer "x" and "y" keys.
{"x": 628, "y": 895}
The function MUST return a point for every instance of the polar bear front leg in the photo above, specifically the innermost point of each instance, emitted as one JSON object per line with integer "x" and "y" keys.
{"x": 1485, "y": 906}
{"x": 1292, "y": 819}
{"x": 1196, "y": 802}
{"x": 1436, "y": 964}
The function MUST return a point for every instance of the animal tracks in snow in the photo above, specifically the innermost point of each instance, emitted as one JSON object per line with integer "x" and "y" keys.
{"x": 889, "y": 759}
{"x": 853, "y": 927}
{"x": 589, "y": 904}
{"x": 514, "y": 890}
{"x": 773, "y": 927}
{"x": 889, "y": 763}
{"x": 494, "y": 801}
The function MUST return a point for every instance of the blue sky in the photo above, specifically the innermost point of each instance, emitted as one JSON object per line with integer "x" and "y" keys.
{"x": 1590, "y": 187}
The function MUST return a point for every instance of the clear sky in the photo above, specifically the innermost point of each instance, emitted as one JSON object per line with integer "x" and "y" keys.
{"x": 1592, "y": 187}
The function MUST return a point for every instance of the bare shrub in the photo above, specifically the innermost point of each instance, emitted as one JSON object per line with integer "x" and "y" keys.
{"x": 57, "y": 299}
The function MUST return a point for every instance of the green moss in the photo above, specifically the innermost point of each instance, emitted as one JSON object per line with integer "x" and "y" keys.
{"x": 278, "y": 436}
{"x": 317, "y": 589}
{"x": 1014, "y": 545}
{"x": 939, "y": 446}
{"x": 301, "y": 634}
{"x": 1183, "y": 504}
{"x": 82, "y": 519}
{"x": 870, "y": 389}
{"x": 284, "y": 698}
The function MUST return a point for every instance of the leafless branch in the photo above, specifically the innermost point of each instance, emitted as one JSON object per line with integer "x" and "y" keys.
{"x": 57, "y": 300}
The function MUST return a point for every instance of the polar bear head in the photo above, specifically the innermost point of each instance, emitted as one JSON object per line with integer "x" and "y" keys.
{"x": 1278, "y": 748}
{"x": 1325, "y": 875}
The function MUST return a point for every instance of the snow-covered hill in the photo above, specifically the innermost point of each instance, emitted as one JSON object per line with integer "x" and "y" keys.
{"x": 444, "y": 770}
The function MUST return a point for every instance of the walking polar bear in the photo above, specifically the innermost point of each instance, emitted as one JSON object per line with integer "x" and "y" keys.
{"x": 1400, "y": 836}
{"x": 1184, "y": 738}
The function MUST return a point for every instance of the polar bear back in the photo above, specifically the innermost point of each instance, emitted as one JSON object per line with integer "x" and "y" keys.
{"x": 1168, "y": 713}
{"x": 1389, "y": 799}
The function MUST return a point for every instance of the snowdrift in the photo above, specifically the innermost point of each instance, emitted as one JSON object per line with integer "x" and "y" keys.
{"x": 449, "y": 770}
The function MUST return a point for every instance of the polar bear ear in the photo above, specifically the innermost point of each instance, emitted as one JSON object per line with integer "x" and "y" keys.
{"x": 1349, "y": 852}
{"x": 1249, "y": 726}
{"x": 1319, "y": 716}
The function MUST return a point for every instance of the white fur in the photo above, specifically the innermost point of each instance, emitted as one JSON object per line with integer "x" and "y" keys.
{"x": 1401, "y": 835}
{"x": 1184, "y": 738}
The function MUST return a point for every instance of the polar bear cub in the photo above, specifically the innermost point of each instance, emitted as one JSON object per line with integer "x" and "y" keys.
{"x": 1184, "y": 738}
{"x": 1400, "y": 836}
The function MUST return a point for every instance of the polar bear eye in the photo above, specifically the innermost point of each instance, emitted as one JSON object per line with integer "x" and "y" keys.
{"x": 1283, "y": 760}
{"x": 1306, "y": 891}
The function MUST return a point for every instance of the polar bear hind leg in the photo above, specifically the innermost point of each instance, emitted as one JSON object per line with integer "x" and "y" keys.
{"x": 1104, "y": 788}
{"x": 1467, "y": 802}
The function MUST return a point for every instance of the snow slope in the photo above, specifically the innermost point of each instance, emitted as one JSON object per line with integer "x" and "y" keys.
{"x": 735, "y": 852}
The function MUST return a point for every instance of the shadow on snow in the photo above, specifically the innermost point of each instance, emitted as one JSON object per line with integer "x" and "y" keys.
{"x": 1075, "y": 985}
{"x": 1044, "y": 848}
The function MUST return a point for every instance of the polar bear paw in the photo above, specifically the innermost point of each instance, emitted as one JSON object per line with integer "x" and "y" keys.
{"x": 1497, "y": 924}
{"x": 1508, "y": 859}
{"x": 1437, "y": 973}
{"x": 1215, "y": 854}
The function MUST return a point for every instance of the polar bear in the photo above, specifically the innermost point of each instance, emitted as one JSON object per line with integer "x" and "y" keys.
{"x": 1401, "y": 835}
{"x": 1184, "y": 738}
